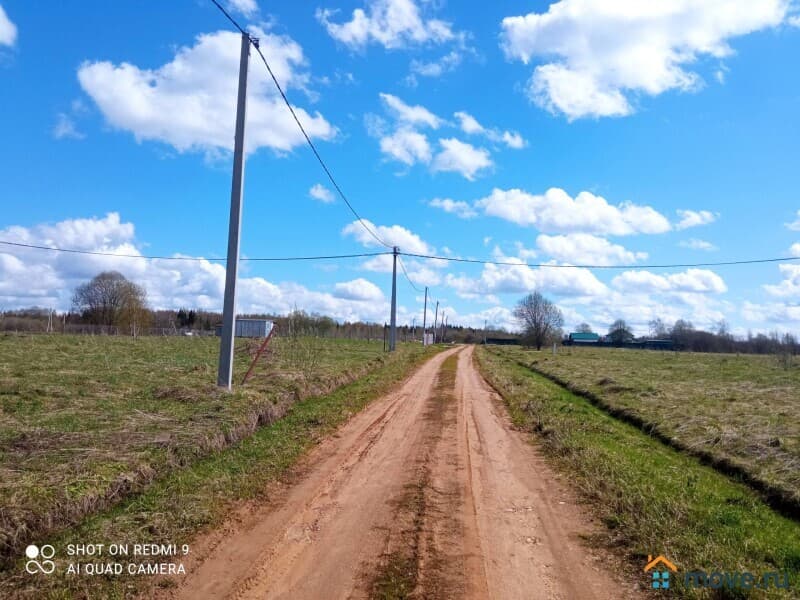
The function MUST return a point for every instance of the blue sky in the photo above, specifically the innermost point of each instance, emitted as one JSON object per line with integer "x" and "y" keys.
{"x": 616, "y": 133}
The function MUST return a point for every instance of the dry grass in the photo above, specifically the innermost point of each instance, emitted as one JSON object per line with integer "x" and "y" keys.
{"x": 85, "y": 421}
{"x": 742, "y": 411}
{"x": 652, "y": 498}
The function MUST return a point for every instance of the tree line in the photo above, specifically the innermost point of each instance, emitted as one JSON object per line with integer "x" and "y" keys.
{"x": 542, "y": 324}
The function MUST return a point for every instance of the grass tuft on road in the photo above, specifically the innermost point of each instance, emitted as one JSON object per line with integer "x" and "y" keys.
{"x": 652, "y": 498}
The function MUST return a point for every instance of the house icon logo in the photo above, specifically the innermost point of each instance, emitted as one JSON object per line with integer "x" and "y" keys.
{"x": 659, "y": 569}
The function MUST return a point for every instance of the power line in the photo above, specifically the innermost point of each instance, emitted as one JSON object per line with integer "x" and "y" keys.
{"x": 196, "y": 258}
{"x": 402, "y": 266}
{"x": 552, "y": 266}
{"x": 303, "y": 130}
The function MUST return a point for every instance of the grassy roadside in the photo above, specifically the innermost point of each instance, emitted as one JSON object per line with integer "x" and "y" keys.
{"x": 88, "y": 420}
{"x": 173, "y": 509}
{"x": 738, "y": 413}
{"x": 653, "y": 499}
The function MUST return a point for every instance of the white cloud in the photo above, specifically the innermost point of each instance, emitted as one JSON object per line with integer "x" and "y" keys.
{"x": 468, "y": 123}
{"x": 65, "y": 128}
{"x": 776, "y": 313}
{"x": 413, "y": 115}
{"x": 505, "y": 279}
{"x": 394, "y": 235}
{"x": 321, "y": 193}
{"x": 695, "y": 244}
{"x": 793, "y": 21}
{"x": 691, "y": 281}
{"x": 587, "y": 249}
{"x": 407, "y": 146}
{"x": 457, "y": 207}
{"x": 598, "y": 52}
{"x": 435, "y": 68}
{"x": 247, "y": 7}
{"x": 695, "y": 218}
{"x": 790, "y": 286}
{"x": 31, "y": 277}
{"x": 556, "y": 211}
{"x": 471, "y": 126}
{"x": 512, "y": 139}
{"x": 392, "y": 24}
{"x": 794, "y": 225}
{"x": 462, "y": 158}
{"x": 358, "y": 289}
{"x": 794, "y": 250}
{"x": 190, "y": 102}
{"x": 8, "y": 31}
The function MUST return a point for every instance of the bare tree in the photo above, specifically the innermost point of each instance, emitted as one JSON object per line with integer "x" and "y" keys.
{"x": 110, "y": 299}
{"x": 541, "y": 320}
{"x": 658, "y": 329}
{"x": 584, "y": 328}
{"x": 620, "y": 332}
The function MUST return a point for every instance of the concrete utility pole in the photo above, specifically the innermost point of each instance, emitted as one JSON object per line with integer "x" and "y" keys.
{"x": 435, "y": 318}
{"x": 393, "y": 331}
{"x": 424, "y": 315}
{"x": 225, "y": 371}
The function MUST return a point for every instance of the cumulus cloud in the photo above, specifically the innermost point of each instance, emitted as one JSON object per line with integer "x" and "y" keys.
{"x": 596, "y": 54}
{"x": 692, "y": 281}
{"x": 321, "y": 193}
{"x": 461, "y": 157}
{"x": 505, "y": 279}
{"x": 8, "y": 31}
{"x": 587, "y": 249}
{"x": 695, "y": 244}
{"x": 248, "y": 8}
{"x": 772, "y": 312}
{"x": 35, "y": 277}
{"x": 190, "y": 102}
{"x": 406, "y": 146}
{"x": 411, "y": 115}
{"x": 695, "y": 218}
{"x": 393, "y": 24}
{"x": 358, "y": 289}
{"x": 471, "y": 126}
{"x": 790, "y": 286}
{"x": 394, "y": 235}
{"x": 794, "y": 250}
{"x": 556, "y": 211}
{"x": 794, "y": 225}
{"x": 457, "y": 207}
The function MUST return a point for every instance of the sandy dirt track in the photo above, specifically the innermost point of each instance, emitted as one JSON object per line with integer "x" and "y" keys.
{"x": 431, "y": 477}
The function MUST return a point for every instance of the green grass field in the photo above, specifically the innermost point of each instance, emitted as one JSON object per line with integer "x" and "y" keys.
{"x": 86, "y": 421}
{"x": 655, "y": 499}
{"x": 743, "y": 410}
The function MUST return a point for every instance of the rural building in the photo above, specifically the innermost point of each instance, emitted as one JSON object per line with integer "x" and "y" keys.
{"x": 583, "y": 338}
{"x": 250, "y": 328}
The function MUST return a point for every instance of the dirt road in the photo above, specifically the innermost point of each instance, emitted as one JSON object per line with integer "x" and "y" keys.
{"x": 427, "y": 493}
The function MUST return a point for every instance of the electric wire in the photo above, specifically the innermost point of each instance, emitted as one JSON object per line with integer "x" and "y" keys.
{"x": 197, "y": 258}
{"x": 583, "y": 266}
{"x": 403, "y": 267}
{"x": 303, "y": 130}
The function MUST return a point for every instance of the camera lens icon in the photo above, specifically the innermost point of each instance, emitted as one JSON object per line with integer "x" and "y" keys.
{"x": 34, "y": 552}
